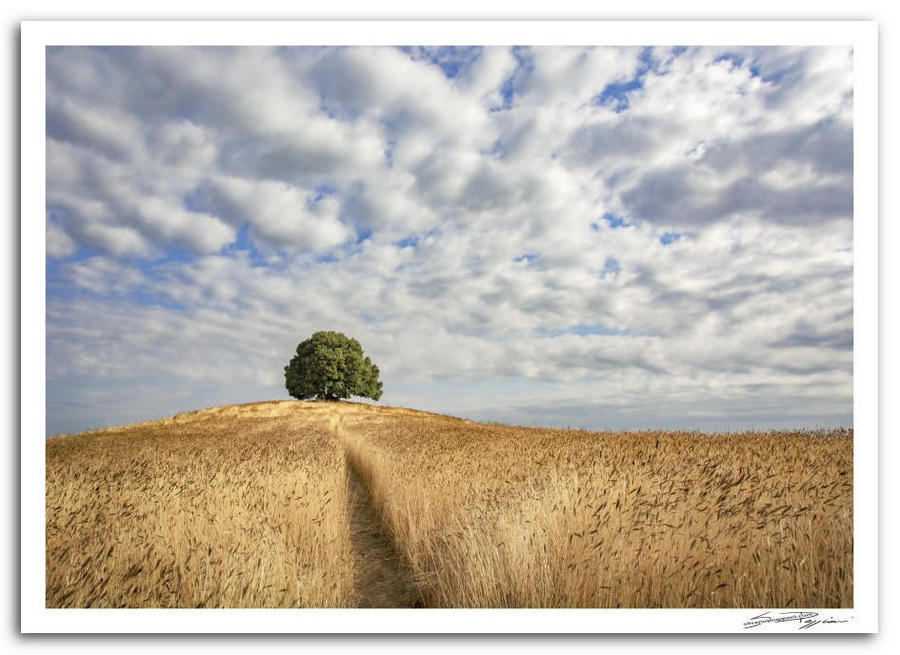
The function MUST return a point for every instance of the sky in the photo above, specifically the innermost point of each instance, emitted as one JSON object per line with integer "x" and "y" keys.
{"x": 601, "y": 238}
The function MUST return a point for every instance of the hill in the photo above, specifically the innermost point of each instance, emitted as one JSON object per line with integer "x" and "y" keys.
{"x": 311, "y": 504}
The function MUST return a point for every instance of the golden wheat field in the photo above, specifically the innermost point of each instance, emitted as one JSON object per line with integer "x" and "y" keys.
{"x": 301, "y": 504}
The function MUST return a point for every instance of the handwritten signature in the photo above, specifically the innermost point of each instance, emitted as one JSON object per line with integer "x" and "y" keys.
{"x": 805, "y": 620}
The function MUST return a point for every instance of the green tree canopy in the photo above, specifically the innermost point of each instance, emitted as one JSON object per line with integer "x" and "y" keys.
{"x": 331, "y": 365}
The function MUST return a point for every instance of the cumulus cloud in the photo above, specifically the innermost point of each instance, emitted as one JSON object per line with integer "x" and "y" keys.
{"x": 282, "y": 216}
{"x": 623, "y": 236}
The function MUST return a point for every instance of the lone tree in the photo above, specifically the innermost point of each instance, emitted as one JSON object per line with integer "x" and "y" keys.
{"x": 331, "y": 365}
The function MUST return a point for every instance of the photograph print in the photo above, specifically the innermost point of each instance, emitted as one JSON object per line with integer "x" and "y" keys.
{"x": 450, "y": 327}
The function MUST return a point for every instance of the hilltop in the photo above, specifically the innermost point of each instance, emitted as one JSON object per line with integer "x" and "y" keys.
{"x": 264, "y": 409}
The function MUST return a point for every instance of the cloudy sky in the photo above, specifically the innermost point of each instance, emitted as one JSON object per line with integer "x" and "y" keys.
{"x": 586, "y": 237}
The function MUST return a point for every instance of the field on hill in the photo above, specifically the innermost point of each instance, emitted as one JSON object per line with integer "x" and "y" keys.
{"x": 237, "y": 508}
{"x": 292, "y": 504}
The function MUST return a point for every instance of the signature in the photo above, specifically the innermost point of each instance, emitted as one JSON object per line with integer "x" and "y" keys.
{"x": 805, "y": 620}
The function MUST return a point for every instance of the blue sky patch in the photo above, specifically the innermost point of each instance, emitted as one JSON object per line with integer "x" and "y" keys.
{"x": 527, "y": 257}
{"x": 615, "y": 221}
{"x": 669, "y": 237}
{"x": 611, "y": 267}
{"x": 777, "y": 76}
{"x": 452, "y": 60}
{"x": 157, "y": 300}
{"x": 734, "y": 59}
{"x": 407, "y": 242}
{"x": 151, "y": 269}
{"x": 81, "y": 254}
{"x": 585, "y": 330}
{"x": 507, "y": 92}
{"x": 323, "y": 191}
{"x": 513, "y": 84}
{"x": 244, "y": 242}
{"x": 615, "y": 94}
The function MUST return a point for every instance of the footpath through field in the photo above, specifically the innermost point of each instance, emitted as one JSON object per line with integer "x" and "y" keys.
{"x": 383, "y": 579}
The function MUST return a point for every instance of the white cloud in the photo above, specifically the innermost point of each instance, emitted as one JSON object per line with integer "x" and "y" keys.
{"x": 59, "y": 243}
{"x": 485, "y": 77}
{"x": 282, "y": 216}
{"x": 119, "y": 241}
{"x": 111, "y": 133}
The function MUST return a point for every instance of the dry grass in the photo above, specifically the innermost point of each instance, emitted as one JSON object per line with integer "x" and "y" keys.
{"x": 238, "y": 507}
{"x": 253, "y": 506}
{"x": 494, "y": 516}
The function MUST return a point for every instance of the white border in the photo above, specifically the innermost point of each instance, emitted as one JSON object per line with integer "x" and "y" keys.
{"x": 36, "y": 35}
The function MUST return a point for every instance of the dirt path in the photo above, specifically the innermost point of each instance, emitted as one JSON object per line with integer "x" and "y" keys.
{"x": 383, "y": 579}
